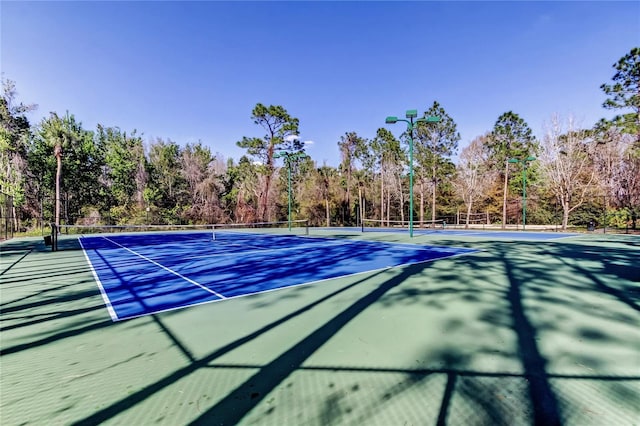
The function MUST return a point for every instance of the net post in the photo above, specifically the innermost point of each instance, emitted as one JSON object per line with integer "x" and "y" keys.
{"x": 306, "y": 227}
{"x": 54, "y": 236}
{"x": 362, "y": 226}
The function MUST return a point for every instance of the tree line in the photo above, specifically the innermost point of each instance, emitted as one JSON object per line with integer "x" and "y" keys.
{"x": 58, "y": 171}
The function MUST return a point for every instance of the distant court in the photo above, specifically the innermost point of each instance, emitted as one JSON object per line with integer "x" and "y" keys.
{"x": 509, "y": 235}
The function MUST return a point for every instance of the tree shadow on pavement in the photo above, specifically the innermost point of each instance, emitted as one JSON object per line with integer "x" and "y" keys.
{"x": 542, "y": 315}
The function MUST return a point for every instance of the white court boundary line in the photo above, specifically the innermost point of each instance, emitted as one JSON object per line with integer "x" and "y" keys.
{"x": 166, "y": 269}
{"x": 328, "y": 242}
{"x": 107, "y": 302}
{"x": 331, "y": 241}
{"x": 175, "y": 308}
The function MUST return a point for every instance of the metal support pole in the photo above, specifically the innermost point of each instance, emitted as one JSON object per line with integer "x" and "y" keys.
{"x": 289, "y": 173}
{"x": 410, "y": 128}
{"x": 524, "y": 195}
{"x": 288, "y": 156}
{"x": 524, "y": 162}
{"x": 411, "y": 114}
{"x": 604, "y": 214}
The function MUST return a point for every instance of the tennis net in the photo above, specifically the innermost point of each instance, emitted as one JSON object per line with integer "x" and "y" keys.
{"x": 110, "y": 236}
{"x": 238, "y": 231}
{"x": 373, "y": 225}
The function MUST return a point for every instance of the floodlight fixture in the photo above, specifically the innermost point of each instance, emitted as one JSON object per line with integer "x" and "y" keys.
{"x": 411, "y": 114}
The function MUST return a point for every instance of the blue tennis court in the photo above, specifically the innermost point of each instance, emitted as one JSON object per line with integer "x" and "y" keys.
{"x": 145, "y": 274}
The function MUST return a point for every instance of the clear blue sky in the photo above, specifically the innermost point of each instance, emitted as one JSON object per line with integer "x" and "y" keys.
{"x": 189, "y": 71}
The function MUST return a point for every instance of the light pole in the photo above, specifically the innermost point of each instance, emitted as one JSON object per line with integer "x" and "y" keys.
{"x": 411, "y": 124}
{"x": 524, "y": 162}
{"x": 288, "y": 158}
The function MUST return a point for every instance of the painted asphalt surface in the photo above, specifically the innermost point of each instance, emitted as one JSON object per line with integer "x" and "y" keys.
{"x": 511, "y": 235}
{"x": 517, "y": 333}
{"x": 140, "y": 275}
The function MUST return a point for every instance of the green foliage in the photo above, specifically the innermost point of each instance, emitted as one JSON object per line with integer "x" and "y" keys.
{"x": 586, "y": 213}
{"x": 446, "y": 193}
{"x": 352, "y": 149}
{"x": 151, "y": 195}
{"x": 278, "y": 124}
{"x": 14, "y": 125}
{"x": 15, "y": 134}
{"x": 165, "y": 178}
{"x": 281, "y": 134}
{"x": 533, "y": 176}
{"x": 542, "y": 214}
{"x": 41, "y": 167}
{"x": 119, "y": 214}
{"x": 434, "y": 142}
{"x": 81, "y": 181}
{"x": 81, "y": 160}
{"x": 619, "y": 218}
{"x": 511, "y": 138}
{"x": 624, "y": 93}
{"x": 239, "y": 194}
{"x": 386, "y": 148}
{"x": 123, "y": 156}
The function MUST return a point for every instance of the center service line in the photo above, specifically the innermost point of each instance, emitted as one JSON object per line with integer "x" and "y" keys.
{"x": 167, "y": 269}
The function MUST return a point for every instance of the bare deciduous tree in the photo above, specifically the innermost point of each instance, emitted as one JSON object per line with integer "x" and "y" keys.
{"x": 617, "y": 165}
{"x": 566, "y": 161}
{"x": 474, "y": 176}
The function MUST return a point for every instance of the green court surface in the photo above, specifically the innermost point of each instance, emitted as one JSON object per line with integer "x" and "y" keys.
{"x": 517, "y": 333}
